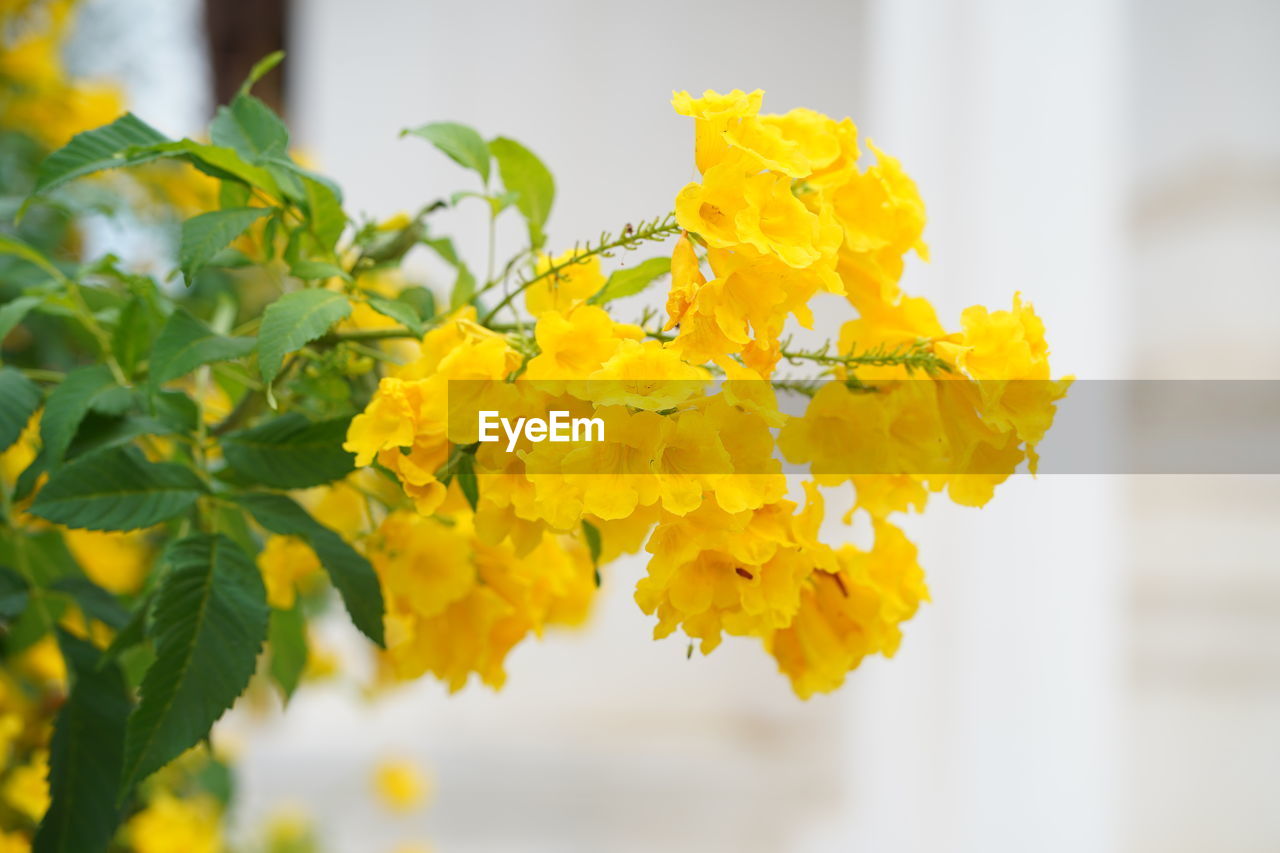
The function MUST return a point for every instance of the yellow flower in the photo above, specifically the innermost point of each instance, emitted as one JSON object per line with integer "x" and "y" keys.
{"x": 609, "y": 478}
{"x": 1006, "y": 352}
{"x": 575, "y": 346}
{"x": 117, "y": 562}
{"x": 570, "y": 285}
{"x": 456, "y": 605}
{"x": 847, "y": 614}
{"x": 400, "y": 785}
{"x": 713, "y": 571}
{"x": 713, "y": 113}
{"x": 286, "y": 563}
{"x": 646, "y": 375}
{"x": 686, "y": 281}
{"x": 27, "y": 788}
{"x": 171, "y": 825}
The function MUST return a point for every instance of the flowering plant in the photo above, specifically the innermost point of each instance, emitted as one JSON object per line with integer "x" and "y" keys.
{"x": 192, "y": 469}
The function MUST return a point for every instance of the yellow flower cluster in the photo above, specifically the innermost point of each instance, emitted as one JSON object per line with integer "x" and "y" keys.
{"x": 783, "y": 212}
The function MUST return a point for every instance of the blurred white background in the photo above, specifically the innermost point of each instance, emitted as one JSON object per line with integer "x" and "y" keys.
{"x": 1100, "y": 668}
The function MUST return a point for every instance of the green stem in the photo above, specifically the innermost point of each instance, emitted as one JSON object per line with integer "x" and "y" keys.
{"x": 657, "y": 230}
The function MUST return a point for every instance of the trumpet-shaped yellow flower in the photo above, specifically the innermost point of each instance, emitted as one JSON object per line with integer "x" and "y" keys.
{"x": 849, "y": 613}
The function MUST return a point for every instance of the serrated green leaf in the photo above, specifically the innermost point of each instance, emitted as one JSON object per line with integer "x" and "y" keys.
{"x": 13, "y": 312}
{"x": 317, "y": 271}
{"x": 523, "y": 173}
{"x": 461, "y": 143}
{"x": 86, "y": 755}
{"x": 205, "y": 235}
{"x": 185, "y": 343}
{"x": 396, "y": 310}
{"x": 67, "y": 405}
{"x": 116, "y": 489}
{"x": 287, "y": 639}
{"x": 21, "y": 398}
{"x": 631, "y": 280}
{"x": 208, "y": 622}
{"x": 293, "y": 321}
{"x": 350, "y": 572}
{"x": 105, "y": 147}
{"x": 466, "y": 476}
{"x": 251, "y": 128}
{"x": 290, "y": 452}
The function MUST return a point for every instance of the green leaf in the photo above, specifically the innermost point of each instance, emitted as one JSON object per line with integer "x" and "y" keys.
{"x": 12, "y": 313}
{"x": 293, "y": 321}
{"x": 466, "y": 476}
{"x": 591, "y": 534}
{"x": 67, "y": 405}
{"x": 317, "y": 271}
{"x": 290, "y": 452}
{"x": 420, "y": 299}
{"x": 350, "y": 572}
{"x": 287, "y": 638}
{"x": 233, "y": 193}
{"x": 208, "y": 622}
{"x": 185, "y": 343}
{"x": 106, "y": 147}
{"x": 216, "y": 160}
{"x": 21, "y": 398}
{"x": 261, "y": 69}
{"x": 324, "y": 212}
{"x": 523, "y": 173}
{"x": 30, "y": 254}
{"x": 116, "y": 489}
{"x": 397, "y": 310}
{"x": 251, "y": 128}
{"x": 86, "y": 755}
{"x": 631, "y": 280}
{"x": 133, "y": 333}
{"x": 205, "y": 235}
{"x": 463, "y": 145}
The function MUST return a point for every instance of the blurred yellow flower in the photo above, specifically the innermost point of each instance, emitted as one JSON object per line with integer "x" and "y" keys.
{"x": 400, "y": 785}
{"x": 286, "y": 562}
{"x": 172, "y": 825}
{"x": 26, "y": 790}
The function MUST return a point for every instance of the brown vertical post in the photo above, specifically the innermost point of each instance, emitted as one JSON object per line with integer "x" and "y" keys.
{"x": 241, "y": 32}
